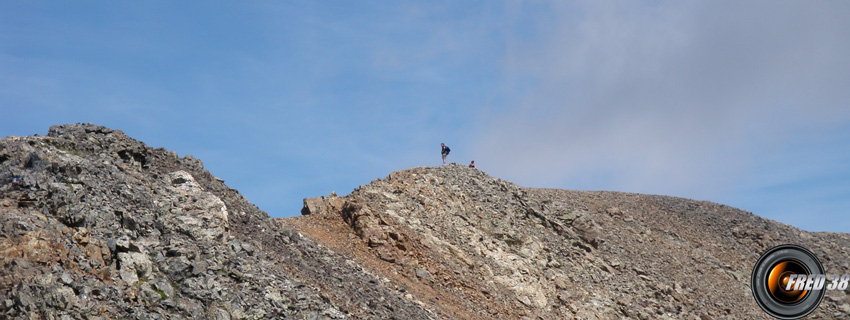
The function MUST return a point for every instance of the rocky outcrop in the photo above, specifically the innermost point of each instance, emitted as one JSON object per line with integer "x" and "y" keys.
{"x": 477, "y": 247}
{"x": 100, "y": 226}
{"x": 97, "y": 225}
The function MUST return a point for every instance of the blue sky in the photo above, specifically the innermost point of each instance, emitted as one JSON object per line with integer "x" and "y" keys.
{"x": 745, "y": 104}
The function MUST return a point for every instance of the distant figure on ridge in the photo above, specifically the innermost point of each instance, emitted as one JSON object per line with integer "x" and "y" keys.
{"x": 472, "y": 164}
{"x": 445, "y": 152}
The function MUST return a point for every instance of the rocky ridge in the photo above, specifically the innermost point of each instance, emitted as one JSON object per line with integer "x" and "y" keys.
{"x": 101, "y": 226}
{"x": 477, "y": 247}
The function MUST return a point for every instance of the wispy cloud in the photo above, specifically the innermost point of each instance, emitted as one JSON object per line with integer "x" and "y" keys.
{"x": 676, "y": 97}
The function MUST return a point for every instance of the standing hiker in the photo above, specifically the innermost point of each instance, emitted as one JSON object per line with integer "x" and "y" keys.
{"x": 445, "y": 152}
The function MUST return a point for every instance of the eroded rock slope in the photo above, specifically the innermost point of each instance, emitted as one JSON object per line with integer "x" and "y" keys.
{"x": 477, "y": 247}
{"x": 96, "y": 225}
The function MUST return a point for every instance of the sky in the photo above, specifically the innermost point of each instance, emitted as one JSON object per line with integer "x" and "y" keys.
{"x": 745, "y": 103}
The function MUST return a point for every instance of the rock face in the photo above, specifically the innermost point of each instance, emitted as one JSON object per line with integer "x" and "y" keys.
{"x": 100, "y": 226}
{"x": 476, "y": 247}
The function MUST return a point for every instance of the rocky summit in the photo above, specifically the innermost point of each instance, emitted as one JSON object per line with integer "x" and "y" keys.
{"x": 97, "y": 225}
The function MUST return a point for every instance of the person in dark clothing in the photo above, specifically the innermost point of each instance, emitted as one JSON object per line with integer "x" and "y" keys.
{"x": 472, "y": 164}
{"x": 445, "y": 152}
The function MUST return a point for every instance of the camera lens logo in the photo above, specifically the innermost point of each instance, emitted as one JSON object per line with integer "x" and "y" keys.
{"x": 787, "y": 282}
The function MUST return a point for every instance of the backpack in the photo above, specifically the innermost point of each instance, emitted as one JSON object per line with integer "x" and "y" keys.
{"x": 448, "y": 150}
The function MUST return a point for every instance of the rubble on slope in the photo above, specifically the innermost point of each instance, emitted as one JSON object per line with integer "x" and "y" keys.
{"x": 480, "y": 247}
{"x": 96, "y": 225}
{"x": 100, "y": 226}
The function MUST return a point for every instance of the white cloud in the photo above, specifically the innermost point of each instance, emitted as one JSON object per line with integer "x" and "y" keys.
{"x": 675, "y": 98}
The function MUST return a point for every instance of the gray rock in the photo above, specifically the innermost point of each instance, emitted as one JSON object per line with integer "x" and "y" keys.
{"x": 60, "y": 297}
{"x": 133, "y": 266}
{"x": 66, "y": 279}
{"x": 423, "y": 274}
